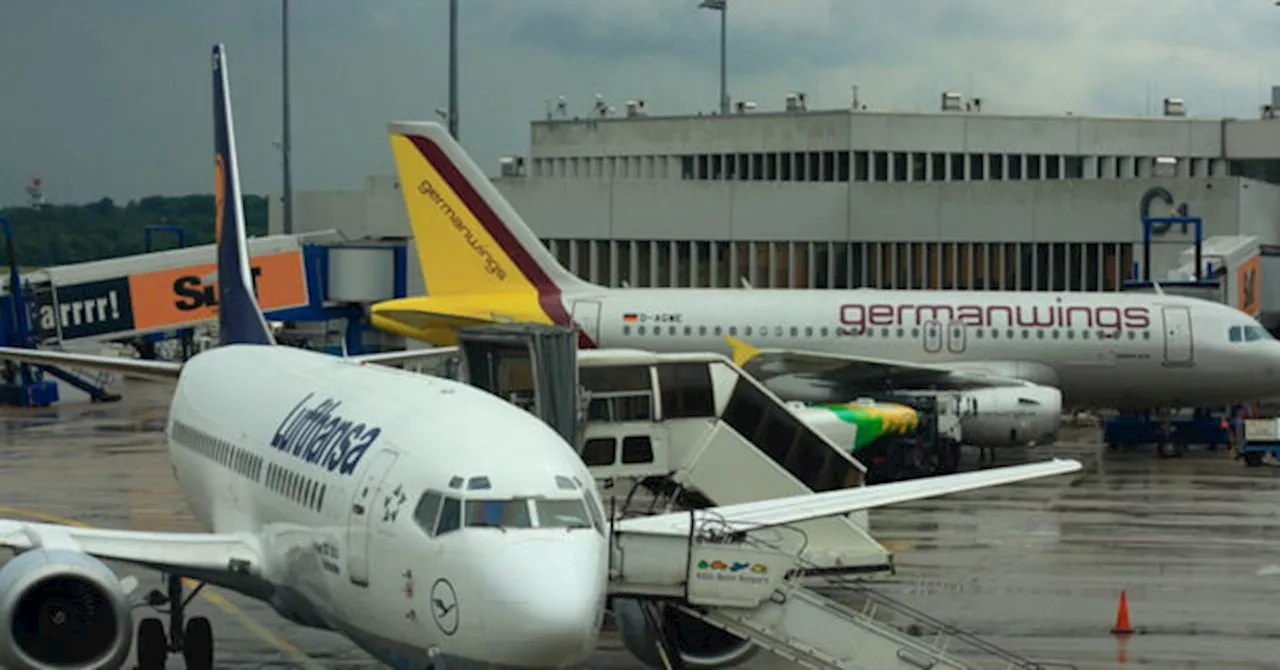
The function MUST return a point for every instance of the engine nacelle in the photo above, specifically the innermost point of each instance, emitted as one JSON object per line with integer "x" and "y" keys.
{"x": 1010, "y": 416}
{"x": 62, "y": 609}
{"x": 701, "y": 645}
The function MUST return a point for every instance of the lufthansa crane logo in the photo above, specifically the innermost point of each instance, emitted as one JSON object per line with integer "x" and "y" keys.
{"x": 444, "y": 606}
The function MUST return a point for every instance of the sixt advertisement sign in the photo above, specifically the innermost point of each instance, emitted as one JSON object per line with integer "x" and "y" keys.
{"x": 84, "y": 310}
{"x": 316, "y": 434}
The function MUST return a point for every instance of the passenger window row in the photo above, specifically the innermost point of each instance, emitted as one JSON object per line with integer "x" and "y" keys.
{"x": 296, "y": 487}
{"x": 238, "y": 460}
{"x": 634, "y": 450}
{"x": 824, "y": 331}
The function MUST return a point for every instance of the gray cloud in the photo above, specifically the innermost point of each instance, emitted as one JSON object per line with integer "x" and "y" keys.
{"x": 112, "y": 99}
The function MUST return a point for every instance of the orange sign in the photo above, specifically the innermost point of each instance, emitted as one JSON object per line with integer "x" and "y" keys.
{"x": 1248, "y": 282}
{"x": 182, "y": 295}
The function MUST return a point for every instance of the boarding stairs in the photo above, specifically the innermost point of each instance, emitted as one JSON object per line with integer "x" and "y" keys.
{"x": 664, "y": 432}
{"x": 765, "y": 601}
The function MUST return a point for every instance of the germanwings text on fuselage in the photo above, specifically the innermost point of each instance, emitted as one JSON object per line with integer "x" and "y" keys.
{"x": 315, "y": 435}
{"x": 1029, "y": 316}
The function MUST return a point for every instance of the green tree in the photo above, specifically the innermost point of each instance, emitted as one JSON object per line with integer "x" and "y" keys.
{"x": 62, "y": 234}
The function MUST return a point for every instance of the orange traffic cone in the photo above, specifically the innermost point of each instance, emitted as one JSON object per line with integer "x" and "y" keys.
{"x": 1122, "y": 617}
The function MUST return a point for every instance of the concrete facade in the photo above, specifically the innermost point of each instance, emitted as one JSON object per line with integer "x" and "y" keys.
{"x": 845, "y": 198}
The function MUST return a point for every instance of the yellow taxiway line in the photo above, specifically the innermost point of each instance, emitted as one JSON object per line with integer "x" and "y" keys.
{"x": 207, "y": 593}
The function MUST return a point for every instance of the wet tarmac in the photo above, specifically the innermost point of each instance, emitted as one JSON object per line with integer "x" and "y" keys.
{"x": 1036, "y": 568}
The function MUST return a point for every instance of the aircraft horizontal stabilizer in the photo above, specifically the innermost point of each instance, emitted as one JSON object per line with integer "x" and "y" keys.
{"x": 796, "y": 509}
{"x": 132, "y": 366}
{"x": 220, "y": 558}
{"x": 859, "y": 371}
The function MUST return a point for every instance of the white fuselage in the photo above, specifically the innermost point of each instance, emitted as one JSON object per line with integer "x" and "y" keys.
{"x": 326, "y": 463}
{"x": 1103, "y": 350}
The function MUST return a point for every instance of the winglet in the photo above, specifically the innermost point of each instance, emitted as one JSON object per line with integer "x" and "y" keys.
{"x": 240, "y": 320}
{"x": 742, "y": 352}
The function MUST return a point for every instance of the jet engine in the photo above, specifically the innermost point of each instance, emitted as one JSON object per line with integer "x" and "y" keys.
{"x": 1010, "y": 416}
{"x": 63, "y": 609}
{"x": 701, "y": 645}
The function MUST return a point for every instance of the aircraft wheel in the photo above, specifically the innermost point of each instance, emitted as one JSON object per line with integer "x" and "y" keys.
{"x": 197, "y": 644}
{"x": 1169, "y": 450}
{"x": 152, "y": 646}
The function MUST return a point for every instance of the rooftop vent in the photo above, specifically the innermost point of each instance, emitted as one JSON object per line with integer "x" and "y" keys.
{"x": 744, "y": 106}
{"x": 1174, "y": 107}
{"x": 601, "y": 108}
{"x": 636, "y": 108}
{"x": 951, "y": 102}
{"x": 974, "y": 105}
{"x": 511, "y": 166}
{"x": 796, "y": 102}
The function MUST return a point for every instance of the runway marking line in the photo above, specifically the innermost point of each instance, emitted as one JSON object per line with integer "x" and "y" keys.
{"x": 208, "y": 593}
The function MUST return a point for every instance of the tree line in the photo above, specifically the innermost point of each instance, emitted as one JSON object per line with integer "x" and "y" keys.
{"x": 62, "y": 234}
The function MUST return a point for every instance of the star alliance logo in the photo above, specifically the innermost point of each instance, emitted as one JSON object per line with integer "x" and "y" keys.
{"x": 392, "y": 503}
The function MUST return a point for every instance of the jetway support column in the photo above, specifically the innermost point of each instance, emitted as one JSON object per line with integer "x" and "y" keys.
{"x": 533, "y": 366}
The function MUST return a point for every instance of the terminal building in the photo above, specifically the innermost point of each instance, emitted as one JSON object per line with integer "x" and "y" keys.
{"x": 957, "y": 198}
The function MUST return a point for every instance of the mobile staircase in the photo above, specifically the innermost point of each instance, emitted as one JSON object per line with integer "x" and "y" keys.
{"x": 847, "y": 627}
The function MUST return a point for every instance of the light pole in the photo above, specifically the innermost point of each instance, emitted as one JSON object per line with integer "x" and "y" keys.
{"x": 453, "y": 68}
{"x": 722, "y": 6}
{"x": 285, "y": 145}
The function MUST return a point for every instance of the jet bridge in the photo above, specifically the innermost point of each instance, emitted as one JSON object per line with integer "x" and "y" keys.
{"x": 750, "y": 587}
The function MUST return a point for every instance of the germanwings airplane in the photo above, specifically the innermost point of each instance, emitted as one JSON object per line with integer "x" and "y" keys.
{"x": 1018, "y": 356}
{"x": 431, "y": 523}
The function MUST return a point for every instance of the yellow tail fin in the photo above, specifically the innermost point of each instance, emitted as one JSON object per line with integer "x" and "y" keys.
{"x": 469, "y": 239}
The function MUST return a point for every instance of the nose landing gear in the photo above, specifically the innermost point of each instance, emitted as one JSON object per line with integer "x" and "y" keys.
{"x": 193, "y": 637}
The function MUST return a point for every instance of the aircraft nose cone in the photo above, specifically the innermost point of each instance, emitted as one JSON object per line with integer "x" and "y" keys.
{"x": 551, "y": 597}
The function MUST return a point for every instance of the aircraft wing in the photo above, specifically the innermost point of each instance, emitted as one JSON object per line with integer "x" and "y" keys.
{"x": 859, "y": 371}
{"x": 796, "y": 509}
{"x": 407, "y": 356}
{"x": 133, "y": 366}
{"x": 230, "y": 560}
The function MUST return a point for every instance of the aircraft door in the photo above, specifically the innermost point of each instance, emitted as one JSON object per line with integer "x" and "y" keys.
{"x": 932, "y": 333}
{"x": 360, "y": 519}
{"x": 586, "y": 315}
{"x": 956, "y": 333}
{"x": 1178, "y": 338}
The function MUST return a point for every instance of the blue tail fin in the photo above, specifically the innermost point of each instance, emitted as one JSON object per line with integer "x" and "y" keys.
{"x": 240, "y": 320}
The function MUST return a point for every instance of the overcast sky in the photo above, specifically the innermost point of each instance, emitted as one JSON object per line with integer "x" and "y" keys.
{"x": 113, "y": 98}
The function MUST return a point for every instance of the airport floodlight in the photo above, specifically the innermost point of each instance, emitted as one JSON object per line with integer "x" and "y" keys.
{"x": 722, "y": 6}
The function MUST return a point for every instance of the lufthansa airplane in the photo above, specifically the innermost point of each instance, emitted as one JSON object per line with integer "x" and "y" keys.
{"x": 431, "y": 523}
{"x": 1019, "y": 356}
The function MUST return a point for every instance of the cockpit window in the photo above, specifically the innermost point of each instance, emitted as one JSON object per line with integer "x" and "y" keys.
{"x": 498, "y": 513}
{"x": 450, "y": 516}
{"x": 562, "y": 514}
{"x": 1248, "y": 334}
{"x": 428, "y": 511}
